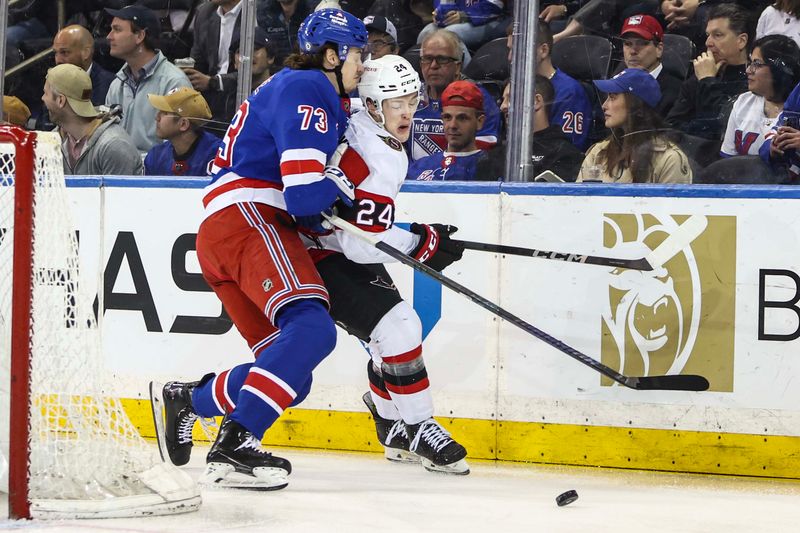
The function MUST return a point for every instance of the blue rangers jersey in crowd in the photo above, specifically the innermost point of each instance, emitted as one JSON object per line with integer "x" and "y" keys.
{"x": 479, "y": 11}
{"x": 571, "y": 109}
{"x": 427, "y": 128}
{"x": 790, "y": 116}
{"x": 446, "y": 166}
{"x": 278, "y": 144}
{"x": 161, "y": 160}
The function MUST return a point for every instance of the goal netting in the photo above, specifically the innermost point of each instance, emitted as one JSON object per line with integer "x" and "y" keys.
{"x": 85, "y": 458}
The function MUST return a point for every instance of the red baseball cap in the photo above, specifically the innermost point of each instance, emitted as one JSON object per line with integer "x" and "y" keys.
{"x": 644, "y": 26}
{"x": 463, "y": 93}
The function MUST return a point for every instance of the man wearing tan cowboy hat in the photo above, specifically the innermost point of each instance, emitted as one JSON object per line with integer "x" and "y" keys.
{"x": 92, "y": 143}
{"x": 187, "y": 148}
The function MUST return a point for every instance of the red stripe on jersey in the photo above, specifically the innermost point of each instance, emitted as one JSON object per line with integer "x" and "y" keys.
{"x": 242, "y": 183}
{"x": 219, "y": 391}
{"x": 354, "y": 166}
{"x": 403, "y": 357}
{"x": 269, "y": 388}
{"x": 318, "y": 255}
{"x": 380, "y": 392}
{"x": 377, "y": 198}
{"x": 485, "y": 145}
{"x": 419, "y": 386}
{"x": 301, "y": 166}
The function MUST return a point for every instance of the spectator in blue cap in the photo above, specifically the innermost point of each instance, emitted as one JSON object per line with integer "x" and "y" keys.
{"x": 637, "y": 151}
{"x": 134, "y": 39}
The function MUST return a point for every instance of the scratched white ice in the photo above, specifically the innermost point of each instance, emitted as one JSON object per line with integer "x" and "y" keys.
{"x": 344, "y": 492}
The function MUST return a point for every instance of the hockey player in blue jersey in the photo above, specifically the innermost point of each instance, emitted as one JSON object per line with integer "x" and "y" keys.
{"x": 269, "y": 178}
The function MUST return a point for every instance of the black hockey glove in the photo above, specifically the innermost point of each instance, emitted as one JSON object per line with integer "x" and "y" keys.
{"x": 435, "y": 247}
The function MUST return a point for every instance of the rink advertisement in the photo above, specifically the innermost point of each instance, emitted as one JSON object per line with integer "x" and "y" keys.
{"x": 724, "y": 306}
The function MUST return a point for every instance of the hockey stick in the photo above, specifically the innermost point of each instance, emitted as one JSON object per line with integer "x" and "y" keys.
{"x": 635, "y": 264}
{"x": 679, "y": 382}
{"x": 674, "y": 243}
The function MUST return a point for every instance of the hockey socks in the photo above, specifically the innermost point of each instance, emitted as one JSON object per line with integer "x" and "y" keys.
{"x": 256, "y": 394}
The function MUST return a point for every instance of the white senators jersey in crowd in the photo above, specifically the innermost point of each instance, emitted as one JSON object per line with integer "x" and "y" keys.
{"x": 377, "y": 164}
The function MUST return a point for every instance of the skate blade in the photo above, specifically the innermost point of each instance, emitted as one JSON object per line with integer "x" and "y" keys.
{"x": 459, "y": 468}
{"x": 157, "y": 406}
{"x": 223, "y": 475}
{"x": 397, "y": 455}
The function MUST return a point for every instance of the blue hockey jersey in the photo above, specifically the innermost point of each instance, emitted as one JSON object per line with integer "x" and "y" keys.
{"x": 479, "y": 11}
{"x": 161, "y": 159}
{"x": 571, "y": 109}
{"x": 277, "y": 146}
{"x": 446, "y": 166}
{"x": 427, "y": 128}
{"x": 790, "y": 116}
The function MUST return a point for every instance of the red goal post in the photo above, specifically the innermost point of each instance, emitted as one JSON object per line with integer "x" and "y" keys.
{"x": 72, "y": 451}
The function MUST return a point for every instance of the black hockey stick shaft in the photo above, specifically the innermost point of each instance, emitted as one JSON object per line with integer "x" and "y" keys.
{"x": 679, "y": 382}
{"x": 635, "y": 264}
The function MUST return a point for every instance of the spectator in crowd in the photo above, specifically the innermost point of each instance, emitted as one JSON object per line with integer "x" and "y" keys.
{"x": 92, "y": 143}
{"x": 781, "y": 18}
{"x": 554, "y": 11}
{"x": 408, "y": 16}
{"x": 440, "y": 62}
{"x": 15, "y": 112}
{"x": 551, "y": 149}
{"x": 281, "y": 19}
{"x": 382, "y": 37}
{"x": 215, "y": 25}
{"x": 781, "y": 148}
{"x": 601, "y": 17}
{"x": 475, "y": 21}
{"x": 134, "y": 39}
{"x": 689, "y": 17}
{"x": 187, "y": 149}
{"x": 773, "y": 72}
{"x": 719, "y": 77}
{"x": 74, "y": 44}
{"x": 636, "y": 151}
{"x": 462, "y": 116}
{"x": 264, "y": 64}
{"x": 642, "y": 47}
{"x": 571, "y": 108}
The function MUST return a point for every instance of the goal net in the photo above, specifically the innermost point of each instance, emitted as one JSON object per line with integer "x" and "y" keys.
{"x": 82, "y": 456}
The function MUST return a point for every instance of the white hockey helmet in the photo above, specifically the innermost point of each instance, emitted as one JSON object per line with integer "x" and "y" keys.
{"x": 387, "y": 77}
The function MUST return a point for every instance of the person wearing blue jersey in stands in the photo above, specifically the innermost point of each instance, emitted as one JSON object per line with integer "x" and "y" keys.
{"x": 780, "y": 148}
{"x": 187, "y": 150}
{"x": 463, "y": 116}
{"x": 274, "y": 175}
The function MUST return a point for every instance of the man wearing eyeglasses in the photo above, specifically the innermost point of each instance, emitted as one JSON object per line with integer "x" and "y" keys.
{"x": 382, "y": 37}
{"x": 440, "y": 62}
{"x": 642, "y": 47}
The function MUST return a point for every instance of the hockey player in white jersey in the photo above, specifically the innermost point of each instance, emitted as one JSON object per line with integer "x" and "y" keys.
{"x": 363, "y": 297}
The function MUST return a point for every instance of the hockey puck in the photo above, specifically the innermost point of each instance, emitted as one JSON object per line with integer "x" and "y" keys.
{"x": 566, "y": 498}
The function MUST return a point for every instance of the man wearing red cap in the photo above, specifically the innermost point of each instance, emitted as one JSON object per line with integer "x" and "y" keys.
{"x": 642, "y": 47}
{"x": 463, "y": 116}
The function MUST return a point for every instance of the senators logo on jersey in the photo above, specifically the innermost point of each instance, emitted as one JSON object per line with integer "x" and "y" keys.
{"x": 391, "y": 142}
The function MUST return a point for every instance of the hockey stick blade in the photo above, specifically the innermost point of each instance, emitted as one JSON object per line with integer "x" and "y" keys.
{"x": 637, "y": 383}
{"x": 679, "y": 239}
{"x": 634, "y": 264}
{"x": 688, "y": 382}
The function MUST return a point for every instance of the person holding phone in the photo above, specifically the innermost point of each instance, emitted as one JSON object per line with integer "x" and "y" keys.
{"x": 780, "y": 149}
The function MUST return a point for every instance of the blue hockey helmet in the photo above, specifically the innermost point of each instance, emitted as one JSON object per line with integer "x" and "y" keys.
{"x": 331, "y": 26}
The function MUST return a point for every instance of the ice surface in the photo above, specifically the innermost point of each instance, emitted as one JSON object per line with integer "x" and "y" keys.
{"x": 344, "y": 492}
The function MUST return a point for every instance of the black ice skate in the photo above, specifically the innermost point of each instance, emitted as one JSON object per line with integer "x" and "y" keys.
{"x": 177, "y": 398}
{"x": 392, "y": 434}
{"x": 237, "y": 460}
{"x": 437, "y": 450}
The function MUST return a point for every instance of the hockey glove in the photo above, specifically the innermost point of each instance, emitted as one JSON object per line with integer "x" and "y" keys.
{"x": 435, "y": 247}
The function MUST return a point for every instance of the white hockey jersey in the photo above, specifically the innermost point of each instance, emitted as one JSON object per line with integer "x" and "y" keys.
{"x": 377, "y": 164}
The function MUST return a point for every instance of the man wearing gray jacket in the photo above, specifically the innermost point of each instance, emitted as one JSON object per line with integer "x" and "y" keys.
{"x": 92, "y": 143}
{"x": 134, "y": 38}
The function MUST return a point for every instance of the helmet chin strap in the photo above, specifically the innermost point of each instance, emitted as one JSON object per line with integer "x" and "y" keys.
{"x": 337, "y": 71}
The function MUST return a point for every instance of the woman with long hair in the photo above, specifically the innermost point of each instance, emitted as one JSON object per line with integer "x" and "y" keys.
{"x": 638, "y": 150}
{"x": 772, "y": 73}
